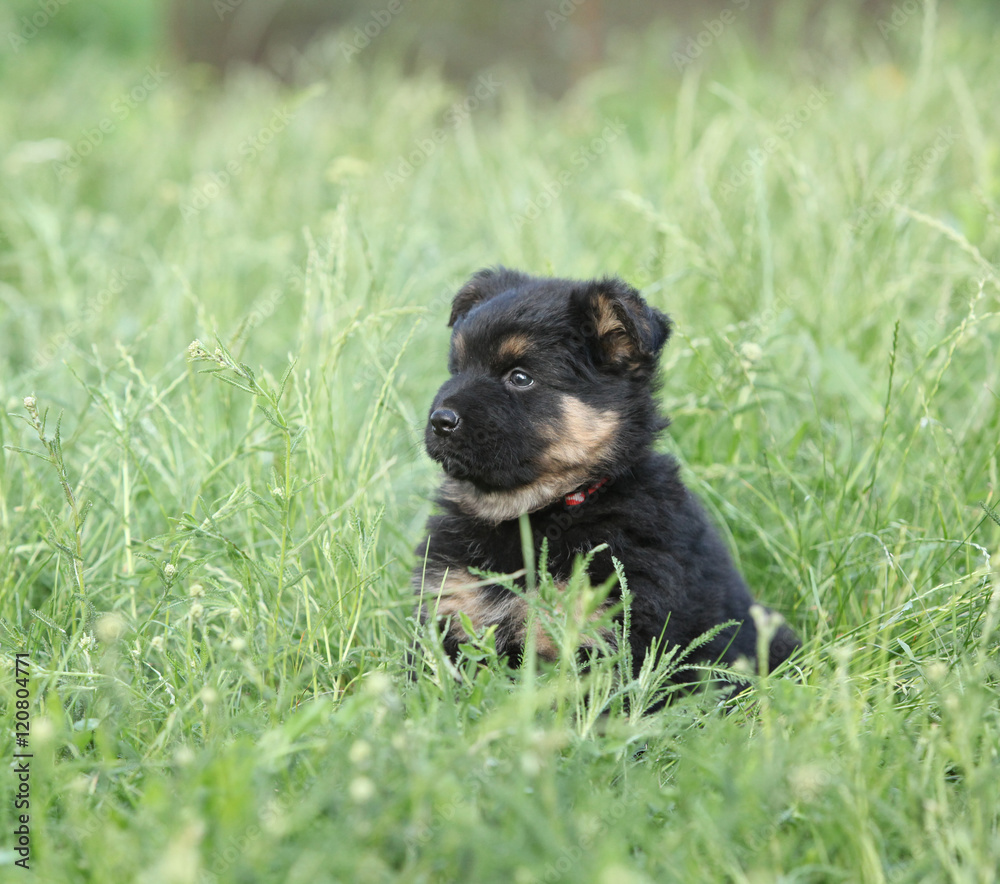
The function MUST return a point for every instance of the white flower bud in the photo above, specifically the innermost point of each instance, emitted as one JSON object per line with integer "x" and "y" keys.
{"x": 361, "y": 789}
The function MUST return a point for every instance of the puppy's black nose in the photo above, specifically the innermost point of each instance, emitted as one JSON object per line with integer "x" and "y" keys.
{"x": 444, "y": 421}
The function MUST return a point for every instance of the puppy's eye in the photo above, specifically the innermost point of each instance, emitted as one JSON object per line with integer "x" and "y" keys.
{"x": 520, "y": 378}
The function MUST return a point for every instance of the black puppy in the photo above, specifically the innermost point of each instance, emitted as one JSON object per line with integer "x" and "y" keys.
{"x": 549, "y": 411}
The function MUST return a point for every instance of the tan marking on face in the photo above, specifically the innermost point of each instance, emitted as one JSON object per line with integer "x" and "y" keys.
{"x": 583, "y": 438}
{"x": 458, "y": 345}
{"x": 514, "y": 347}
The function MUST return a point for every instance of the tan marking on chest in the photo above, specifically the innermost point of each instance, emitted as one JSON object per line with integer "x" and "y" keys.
{"x": 463, "y": 593}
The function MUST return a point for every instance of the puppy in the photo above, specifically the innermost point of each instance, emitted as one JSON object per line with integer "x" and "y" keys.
{"x": 550, "y": 411}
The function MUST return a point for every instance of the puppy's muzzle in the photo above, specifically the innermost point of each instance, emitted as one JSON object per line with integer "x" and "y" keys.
{"x": 444, "y": 421}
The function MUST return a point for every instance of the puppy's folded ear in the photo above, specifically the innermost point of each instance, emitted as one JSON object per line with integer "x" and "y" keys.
{"x": 484, "y": 284}
{"x": 621, "y": 329}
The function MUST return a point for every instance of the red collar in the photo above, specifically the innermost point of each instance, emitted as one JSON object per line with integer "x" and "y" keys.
{"x": 577, "y": 497}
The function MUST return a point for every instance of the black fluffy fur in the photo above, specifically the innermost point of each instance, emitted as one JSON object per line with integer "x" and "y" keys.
{"x": 590, "y": 350}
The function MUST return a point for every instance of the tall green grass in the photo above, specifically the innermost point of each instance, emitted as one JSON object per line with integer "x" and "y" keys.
{"x": 206, "y": 547}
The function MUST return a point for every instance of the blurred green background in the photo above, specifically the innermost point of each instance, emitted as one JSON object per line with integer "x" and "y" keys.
{"x": 553, "y": 41}
{"x": 212, "y": 581}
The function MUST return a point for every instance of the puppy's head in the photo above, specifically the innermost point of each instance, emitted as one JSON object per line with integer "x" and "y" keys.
{"x": 550, "y": 388}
